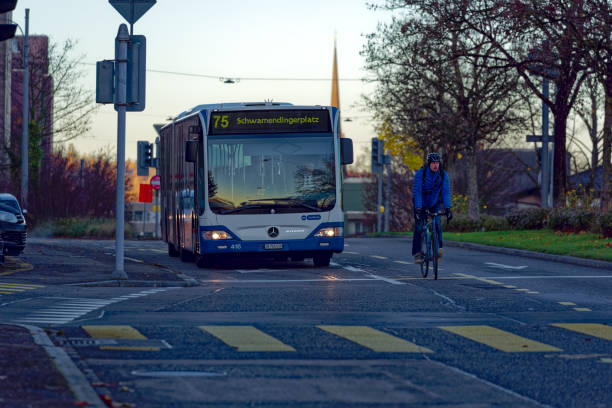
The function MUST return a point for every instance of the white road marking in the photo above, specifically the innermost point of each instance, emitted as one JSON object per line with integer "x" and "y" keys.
{"x": 554, "y": 277}
{"x": 405, "y": 263}
{"x": 282, "y": 280}
{"x": 502, "y": 266}
{"x": 391, "y": 281}
{"x": 133, "y": 259}
{"x": 70, "y": 309}
{"x": 378, "y": 257}
{"x": 352, "y": 268}
{"x": 254, "y": 270}
{"x": 350, "y": 252}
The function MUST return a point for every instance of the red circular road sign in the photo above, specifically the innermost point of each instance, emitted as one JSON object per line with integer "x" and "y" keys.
{"x": 155, "y": 182}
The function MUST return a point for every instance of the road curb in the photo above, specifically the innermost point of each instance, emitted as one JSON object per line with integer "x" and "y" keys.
{"x": 593, "y": 263}
{"x": 76, "y": 380}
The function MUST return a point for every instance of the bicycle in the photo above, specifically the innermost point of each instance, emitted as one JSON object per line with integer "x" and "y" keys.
{"x": 430, "y": 244}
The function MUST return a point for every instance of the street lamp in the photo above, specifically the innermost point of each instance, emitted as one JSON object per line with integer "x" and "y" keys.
{"x": 542, "y": 59}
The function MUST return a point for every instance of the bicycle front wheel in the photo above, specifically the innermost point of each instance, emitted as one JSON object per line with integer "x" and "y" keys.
{"x": 424, "y": 268}
{"x": 425, "y": 254}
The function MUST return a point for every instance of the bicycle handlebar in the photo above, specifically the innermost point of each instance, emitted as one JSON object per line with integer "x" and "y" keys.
{"x": 434, "y": 214}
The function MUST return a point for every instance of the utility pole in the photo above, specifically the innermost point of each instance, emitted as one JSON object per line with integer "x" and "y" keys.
{"x": 26, "y": 110}
{"x": 387, "y": 159}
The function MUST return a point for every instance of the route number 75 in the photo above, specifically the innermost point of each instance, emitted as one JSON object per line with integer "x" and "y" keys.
{"x": 224, "y": 122}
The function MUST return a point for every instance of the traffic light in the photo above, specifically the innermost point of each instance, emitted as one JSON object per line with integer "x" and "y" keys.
{"x": 375, "y": 152}
{"x": 145, "y": 158}
{"x": 7, "y": 30}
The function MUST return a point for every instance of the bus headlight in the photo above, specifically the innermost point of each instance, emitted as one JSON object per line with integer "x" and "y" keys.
{"x": 329, "y": 232}
{"x": 216, "y": 235}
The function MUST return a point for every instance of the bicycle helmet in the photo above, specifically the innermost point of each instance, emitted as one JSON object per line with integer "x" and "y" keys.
{"x": 433, "y": 157}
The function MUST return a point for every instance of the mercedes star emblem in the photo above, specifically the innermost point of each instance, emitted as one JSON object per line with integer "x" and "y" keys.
{"x": 273, "y": 232}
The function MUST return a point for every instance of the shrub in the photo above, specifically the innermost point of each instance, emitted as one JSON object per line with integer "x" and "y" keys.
{"x": 81, "y": 228}
{"x": 528, "y": 218}
{"x": 494, "y": 223}
{"x": 571, "y": 219}
{"x": 605, "y": 224}
{"x": 463, "y": 223}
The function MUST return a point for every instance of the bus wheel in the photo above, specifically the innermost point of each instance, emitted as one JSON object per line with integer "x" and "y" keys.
{"x": 203, "y": 261}
{"x": 321, "y": 259}
{"x": 172, "y": 251}
{"x": 186, "y": 256}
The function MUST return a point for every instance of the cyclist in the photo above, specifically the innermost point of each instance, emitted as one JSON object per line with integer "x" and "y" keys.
{"x": 430, "y": 189}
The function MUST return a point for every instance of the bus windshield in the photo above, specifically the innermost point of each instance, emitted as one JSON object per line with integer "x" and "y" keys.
{"x": 271, "y": 174}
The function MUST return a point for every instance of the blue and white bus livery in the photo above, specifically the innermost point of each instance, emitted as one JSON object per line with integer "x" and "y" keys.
{"x": 253, "y": 179}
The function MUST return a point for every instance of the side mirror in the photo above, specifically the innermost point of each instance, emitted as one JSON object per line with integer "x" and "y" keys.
{"x": 191, "y": 151}
{"x": 346, "y": 151}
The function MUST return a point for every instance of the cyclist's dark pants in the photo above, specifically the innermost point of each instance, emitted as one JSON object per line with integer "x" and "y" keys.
{"x": 418, "y": 234}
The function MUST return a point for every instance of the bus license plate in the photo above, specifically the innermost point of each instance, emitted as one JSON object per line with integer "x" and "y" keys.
{"x": 273, "y": 246}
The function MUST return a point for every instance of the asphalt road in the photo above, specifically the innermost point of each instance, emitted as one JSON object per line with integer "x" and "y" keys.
{"x": 493, "y": 331}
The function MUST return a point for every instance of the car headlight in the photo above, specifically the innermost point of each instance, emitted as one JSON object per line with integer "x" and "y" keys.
{"x": 8, "y": 217}
{"x": 216, "y": 235}
{"x": 329, "y": 232}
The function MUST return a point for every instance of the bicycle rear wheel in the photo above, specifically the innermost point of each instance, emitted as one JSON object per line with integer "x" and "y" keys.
{"x": 434, "y": 255}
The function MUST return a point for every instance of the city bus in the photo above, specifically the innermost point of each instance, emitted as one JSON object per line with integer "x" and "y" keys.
{"x": 253, "y": 179}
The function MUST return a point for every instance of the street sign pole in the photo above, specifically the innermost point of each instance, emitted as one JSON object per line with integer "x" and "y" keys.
{"x": 120, "y": 105}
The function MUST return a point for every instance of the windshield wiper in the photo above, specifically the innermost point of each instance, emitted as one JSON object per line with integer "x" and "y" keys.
{"x": 292, "y": 201}
{"x": 248, "y": 207}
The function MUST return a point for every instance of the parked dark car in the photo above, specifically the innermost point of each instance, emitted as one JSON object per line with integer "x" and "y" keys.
{"x": 12, "y": 225}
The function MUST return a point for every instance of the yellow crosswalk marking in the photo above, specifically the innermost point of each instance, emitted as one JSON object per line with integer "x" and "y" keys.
{"x": 246, "y": 338}
{"x": 21, "y": 285}
{"x": 118, "y": 332}
{"x": 567, "y": 303}
{"x": 592, "y": 329}
{"x": 499, "y": 339}
{"x": 582, "y": 309}
{"x": 7, "y": 288}
{"x": 375, "y": 339}
{"x": 114, "y": 332}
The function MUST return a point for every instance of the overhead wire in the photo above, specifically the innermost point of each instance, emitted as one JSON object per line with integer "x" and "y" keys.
{"x": 221, "y": 77}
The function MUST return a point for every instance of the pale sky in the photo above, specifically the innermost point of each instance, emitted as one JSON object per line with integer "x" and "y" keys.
{"x": 230, "y": 38}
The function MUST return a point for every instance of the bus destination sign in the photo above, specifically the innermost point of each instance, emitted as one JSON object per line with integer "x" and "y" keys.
{"x": 270, "y": 121}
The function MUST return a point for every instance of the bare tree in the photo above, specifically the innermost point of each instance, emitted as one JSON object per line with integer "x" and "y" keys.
{"x": 534, "y": 38}
{"x": 598, "y": 41}
{"x": 445, "y": 98}
{"x": 587, "y": 108}
{"x": 61, "y": 106}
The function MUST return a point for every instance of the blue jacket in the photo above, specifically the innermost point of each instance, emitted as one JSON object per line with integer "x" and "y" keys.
{"x": 428, "y": 195}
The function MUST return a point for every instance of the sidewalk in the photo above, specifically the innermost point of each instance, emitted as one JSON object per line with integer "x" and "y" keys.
{"x": 34, "y": 371}
{"x": 31, "y": 377}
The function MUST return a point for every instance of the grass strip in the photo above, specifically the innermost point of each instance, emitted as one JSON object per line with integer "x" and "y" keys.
{"x": 583, "y": 245}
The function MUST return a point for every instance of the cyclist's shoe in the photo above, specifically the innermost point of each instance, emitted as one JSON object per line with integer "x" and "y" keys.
{"x": 440, "y": 253}
{"x": 418, "y": 258}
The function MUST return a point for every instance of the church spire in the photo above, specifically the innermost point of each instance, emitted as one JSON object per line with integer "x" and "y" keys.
{"x": 335, "y": 95}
